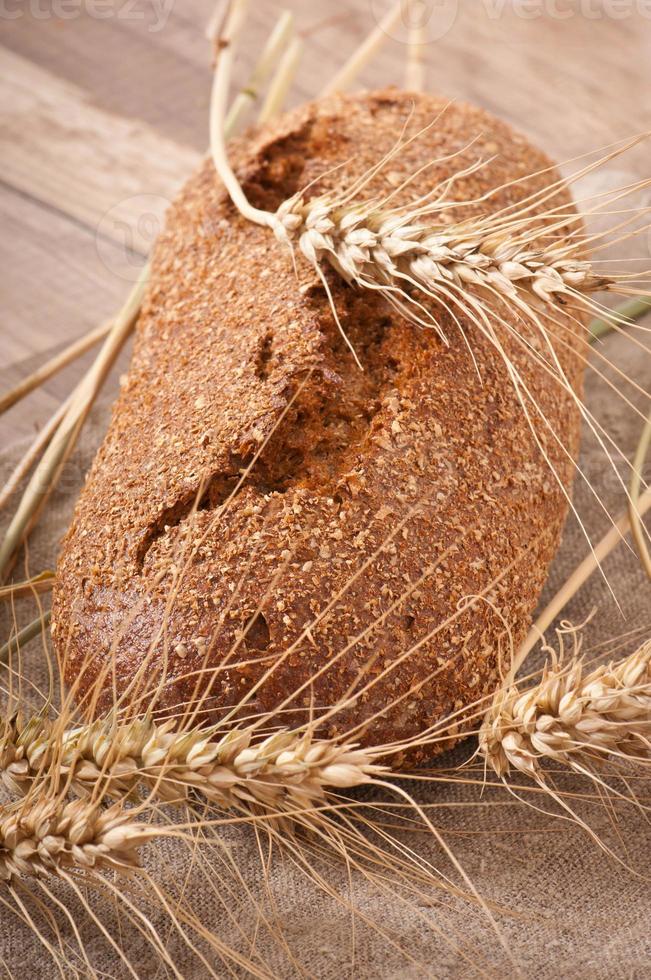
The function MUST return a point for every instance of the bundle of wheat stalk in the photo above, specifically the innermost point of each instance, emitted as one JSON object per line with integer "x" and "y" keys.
{"x": 571, "y": 716}
{"x": 247, "y": 643}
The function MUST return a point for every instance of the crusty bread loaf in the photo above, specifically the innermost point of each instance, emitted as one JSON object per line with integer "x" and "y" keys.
{"x": 419, "y": 475}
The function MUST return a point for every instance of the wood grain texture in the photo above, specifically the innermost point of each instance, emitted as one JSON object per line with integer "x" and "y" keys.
{"x": 55, "y": 287}
{"x": 83, "y": 195}
{"x": 62, "y": 151}
{"x": 98, "y": 111}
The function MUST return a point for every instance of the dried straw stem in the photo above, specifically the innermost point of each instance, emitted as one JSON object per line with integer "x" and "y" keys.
{"x": 44, "y": 837}
{"x": 17, "y": 642}
{"x": 635, "y": 517}
{"x": 573, "y": 717}
{"x": 365, "y": 52}
{"x": 32, "y": 453}
{"x": 284, "y": 771}
{"x": 282, "y": 80}
{"x": 629, "y": 311}
{"x": 67, "y": 432}
{"x": 415, "y": 66}
{"x": 578, "y": 578}
{"x": 273, "y": 50}
{"x": 55, "y": 364}
{"x": 43, "y": 582}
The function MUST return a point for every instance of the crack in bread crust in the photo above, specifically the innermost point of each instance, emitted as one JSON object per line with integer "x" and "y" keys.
{"x": 323, "y": 425}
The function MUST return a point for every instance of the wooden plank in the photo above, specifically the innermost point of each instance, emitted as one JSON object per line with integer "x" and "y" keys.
{"x": 56, "y": 286}
{"x": 111, "y": 59}
{"x": 51, "y": 268}
{"x": 81, "y": 199}
{"x": 94, "y": 166}
{"x": 128, "y": 61}
{"x": 571, "y": 81}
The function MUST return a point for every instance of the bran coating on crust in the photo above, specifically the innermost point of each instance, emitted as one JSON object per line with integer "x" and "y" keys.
{"x": 377, "y": 502}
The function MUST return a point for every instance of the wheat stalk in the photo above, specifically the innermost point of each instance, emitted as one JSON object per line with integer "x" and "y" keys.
{"x": 43, "y": 582}
{"x": 572, "y": 716}
{"x": 275, "y": 48}
{"x": 399, "y": 251}
{"x": 363, "y": 54}
{"x": 417, "y": 41}
{"x": 282, "y": 81}
{"x": 16, "y": 642}
{"x": 627, "y": 312}
{"x": 53, "y": 365}
{"x": 378, "y": 249}
{"x": 44, "y": 837}
{"x": 634, "y": 511}
{"x": 286, "y": 768}
{"x": 579, "y": 576}
{"x": 67, "y": 432}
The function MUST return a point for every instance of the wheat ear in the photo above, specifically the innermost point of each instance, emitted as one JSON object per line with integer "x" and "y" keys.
{"x": 395, "y": 250}
{"x": 380, "y": 250}
{"x": 572, "y": 716}
{"x": 43, "y": 838}
{"x": 284, "y": 770}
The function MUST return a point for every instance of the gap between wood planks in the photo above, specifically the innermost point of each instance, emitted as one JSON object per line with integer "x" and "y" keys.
{"x": 76, "y": 181}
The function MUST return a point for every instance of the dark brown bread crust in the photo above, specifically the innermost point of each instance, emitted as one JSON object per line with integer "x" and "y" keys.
{"x": 228, "y": 336}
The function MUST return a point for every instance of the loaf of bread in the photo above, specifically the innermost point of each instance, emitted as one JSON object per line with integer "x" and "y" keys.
{"x": 265, "y": 525}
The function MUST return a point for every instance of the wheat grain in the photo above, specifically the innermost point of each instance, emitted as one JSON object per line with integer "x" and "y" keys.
{"x": 572, "y": 717}
{"x": 383, "y": 250}
{"x": 46, "y": 837}
{"x": 285, "y": 768}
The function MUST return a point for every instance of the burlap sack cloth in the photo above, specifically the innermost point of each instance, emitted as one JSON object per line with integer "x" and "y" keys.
{"x": 569, "y": 909}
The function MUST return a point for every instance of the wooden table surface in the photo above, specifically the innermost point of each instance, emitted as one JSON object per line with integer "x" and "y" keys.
{"x": 103, "y": 112}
